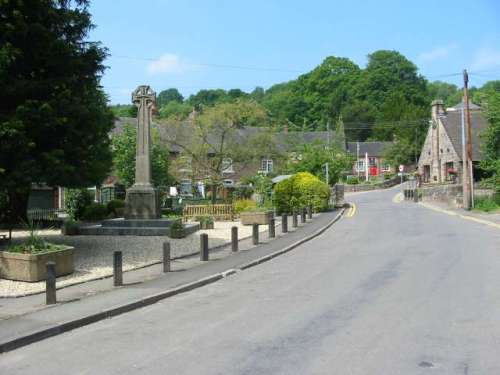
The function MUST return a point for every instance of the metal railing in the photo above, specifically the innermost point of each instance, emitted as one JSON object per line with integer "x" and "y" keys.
{"x": 218, "y": 211}
{"x": 46, "y": 214}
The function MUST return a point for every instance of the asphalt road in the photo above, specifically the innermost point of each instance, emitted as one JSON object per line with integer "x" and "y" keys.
{"x": 394, "y": 289}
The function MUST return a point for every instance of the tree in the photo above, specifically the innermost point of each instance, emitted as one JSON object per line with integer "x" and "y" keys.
{"x": 124, "y": 110}
{"x": 54, "y": 119}
{"x": 124, "y": 150}
{"x": 312, "y": 158}
{"x": 213, "y": 138}
{"x": 177, "y": 109}
{"x": 491, "y": 137}
{"x": 167, "y": 96}
{"x": 449, "y": 93}
{"x": 208, "y": 98}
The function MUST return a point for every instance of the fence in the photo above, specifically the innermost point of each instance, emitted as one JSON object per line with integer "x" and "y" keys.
{"x": 46, "y": 214}
{"x": 218, "y": 211}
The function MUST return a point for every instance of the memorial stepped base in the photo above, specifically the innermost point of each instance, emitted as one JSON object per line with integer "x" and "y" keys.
{"x": 134, "y": 227}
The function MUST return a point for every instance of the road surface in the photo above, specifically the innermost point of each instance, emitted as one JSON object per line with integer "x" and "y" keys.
{"x": 394, "y": 288}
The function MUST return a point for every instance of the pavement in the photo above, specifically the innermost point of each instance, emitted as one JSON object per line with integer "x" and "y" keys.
{"x": 391, "y": 288}
{"x": 29, "y": 319}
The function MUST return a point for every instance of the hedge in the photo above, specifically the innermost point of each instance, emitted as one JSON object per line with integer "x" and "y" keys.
{"x": 301, "y": 190}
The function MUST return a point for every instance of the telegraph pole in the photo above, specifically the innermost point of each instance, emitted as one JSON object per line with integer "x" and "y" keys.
{"x": 467, "y": 149}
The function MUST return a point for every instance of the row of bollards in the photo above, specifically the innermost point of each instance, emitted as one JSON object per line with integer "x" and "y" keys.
{"x": 50, "y": 283}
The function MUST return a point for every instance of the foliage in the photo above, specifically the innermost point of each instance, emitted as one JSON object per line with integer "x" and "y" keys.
{"x": 244, "y": 205}
{"x": 491, "y": 138}
{"x": 76, "y": 201}
{"x": 167, "y": 96}
{"x": 242, "y": 192}
{"x": 213, "y": 138}
{"x": 301, "y": 190}
{"x": 486, "y": 204}
{"x": 352, "y": 180}
{"x": 175, "y": 109}
{"x": 35, "y": 244}
{"x": 95, "y": 212}
{"x": 124, "y": 150}
{"x": 113, "y": 206}
{"x": 54, "y": 119}
{"x": 176, "y": 230}
{"x": 205, "y": 220}
{"x": 124, "y": 110}
{"x": 263, "y": 188}
{"x": 312, "y": 157}
{"x": 70, "y": 227}
{"x": 449, "y": 93}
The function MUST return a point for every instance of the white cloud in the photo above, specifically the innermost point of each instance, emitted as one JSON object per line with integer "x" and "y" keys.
{"x": 165, "y": 64}
{"x": 486, "y": 58}
{"x": 437, "y": 53}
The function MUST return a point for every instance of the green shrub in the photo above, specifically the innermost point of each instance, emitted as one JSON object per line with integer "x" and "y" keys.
{"x": 70, "y": 227}
{"x": 244, "y": 205}
{"x": 176, "y": 230}
{"x": 352, "y": 180}
{"x": 299, "y": 191}
{"x": 114, "y": 206}
{"x": 95, "y": 212}
{"x": 204, "y": 220}
{"x": 76, "y": 201}
{"x": 242, "y": 192}
{"x": 486, "y": 204}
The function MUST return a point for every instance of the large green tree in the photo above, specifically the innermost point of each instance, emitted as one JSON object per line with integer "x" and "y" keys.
{"x": 54, "y": 120}
{"x": 491, "y": 137}
{"x": 167, "y": 96}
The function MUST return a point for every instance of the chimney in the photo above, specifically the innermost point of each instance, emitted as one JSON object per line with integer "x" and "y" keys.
{"x": 437, "y": 108}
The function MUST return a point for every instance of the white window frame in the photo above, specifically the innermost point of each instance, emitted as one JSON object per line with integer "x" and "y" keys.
{"x": 372, "y": 159}
{"x": 227, "y": 165}
{"x": 266, "y": 165}
{"x": 360, "y": 165}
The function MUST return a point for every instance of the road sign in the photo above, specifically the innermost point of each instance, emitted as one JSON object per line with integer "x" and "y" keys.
{"x": 401, "y": 168}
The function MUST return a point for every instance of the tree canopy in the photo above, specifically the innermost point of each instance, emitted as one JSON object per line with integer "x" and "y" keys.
{"x": 54, "y": 120}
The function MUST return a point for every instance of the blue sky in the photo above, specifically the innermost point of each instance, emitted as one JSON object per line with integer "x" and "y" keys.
{"x": 195, "y": 44}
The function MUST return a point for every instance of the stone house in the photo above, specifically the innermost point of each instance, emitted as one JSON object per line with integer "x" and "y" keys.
{"x": 441, "y": 157}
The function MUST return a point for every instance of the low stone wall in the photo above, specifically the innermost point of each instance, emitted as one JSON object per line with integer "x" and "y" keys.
{"x": 451, "y": 194}
{"x": 381, "y": 185}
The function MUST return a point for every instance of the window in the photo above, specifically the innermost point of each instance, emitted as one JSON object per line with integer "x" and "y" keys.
{"x": 360, "y": 166}
{"x": 227, "y": 183}
{"x": 385, "y": 168}
{"x": 372, "y": 162}
{"x": 266, "y": 165}
{"x": 227, "y": 165}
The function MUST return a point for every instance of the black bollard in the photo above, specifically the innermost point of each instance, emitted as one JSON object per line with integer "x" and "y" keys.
{"x": 310, "y": 211}
{"x": 117, "y": 268}
{"x": 204, "y": 247}
{"x": 295, "y": 223}
{"x": 284, "y": 223}
{"x": 234, "y": 239}
{"x": 303, "y": 215}
{"x": 255, "y": 234}
{"x": 166, "y": 256}
{"x": 50, "y": 284}
{"x": 272, "y": 231}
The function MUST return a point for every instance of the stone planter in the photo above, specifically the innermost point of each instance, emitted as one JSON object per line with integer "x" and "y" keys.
{"x": 70, "y": 230}
{"x": 177, "y": 233}
{"x": 256, "y": 217}
{"x": 31, "y": 267}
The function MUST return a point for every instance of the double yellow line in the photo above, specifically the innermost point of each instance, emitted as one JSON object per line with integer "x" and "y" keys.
{"x": 352, "y": 210}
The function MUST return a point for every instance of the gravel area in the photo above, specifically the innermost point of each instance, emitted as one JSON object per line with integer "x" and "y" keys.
{"x": 93, "y": 255}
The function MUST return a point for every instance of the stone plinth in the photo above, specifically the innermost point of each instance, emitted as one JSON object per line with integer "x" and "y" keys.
{"x": 142, "y": 203}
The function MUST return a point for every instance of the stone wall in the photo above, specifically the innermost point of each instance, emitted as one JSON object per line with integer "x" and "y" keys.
{"x": 381, "y": 185}
{"x": 450, "y": 194}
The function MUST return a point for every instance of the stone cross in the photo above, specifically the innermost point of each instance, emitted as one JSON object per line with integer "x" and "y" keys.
{"x": 144, "y": 98}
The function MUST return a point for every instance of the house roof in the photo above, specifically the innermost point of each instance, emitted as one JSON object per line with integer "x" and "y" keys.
{"x": 452, "y": 123}
{"x": 284, "y": 141}
{"x": 372, "y": 148}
